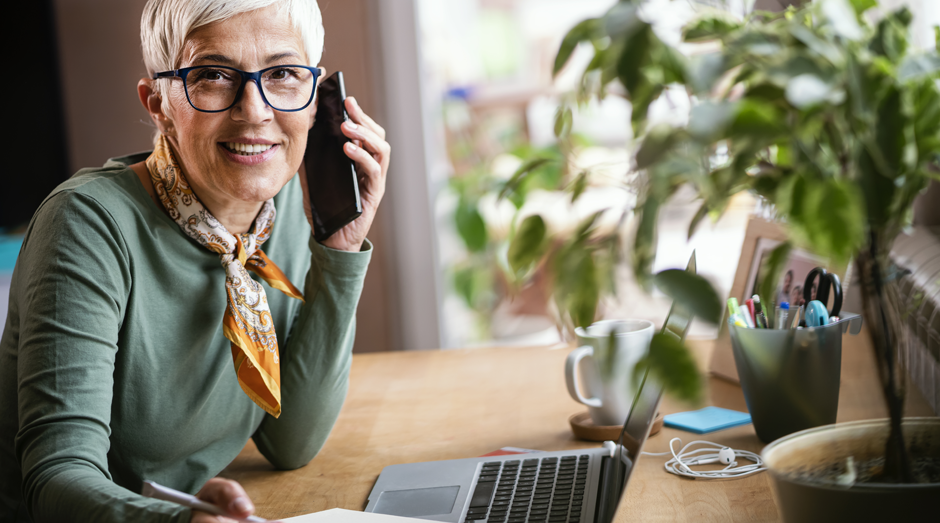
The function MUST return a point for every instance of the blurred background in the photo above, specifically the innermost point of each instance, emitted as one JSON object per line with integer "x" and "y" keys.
{"x": 465, "y": 91}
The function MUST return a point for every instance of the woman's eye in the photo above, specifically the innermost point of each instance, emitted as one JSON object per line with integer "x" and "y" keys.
{"x": 212, "y": 75}
{"x": 284, "y": 73}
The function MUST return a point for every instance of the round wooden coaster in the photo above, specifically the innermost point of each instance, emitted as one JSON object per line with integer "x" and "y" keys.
{"x": 584, "y": 428}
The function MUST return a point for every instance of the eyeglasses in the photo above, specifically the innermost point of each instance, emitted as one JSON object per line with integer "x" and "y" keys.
{"x": 216, "y": 88}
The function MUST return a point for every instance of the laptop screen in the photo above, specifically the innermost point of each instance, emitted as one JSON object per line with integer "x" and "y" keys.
{"x": 636, "y": 429}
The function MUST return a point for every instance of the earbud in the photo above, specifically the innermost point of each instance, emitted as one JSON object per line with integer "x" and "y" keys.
{"x": 726, "y": 456}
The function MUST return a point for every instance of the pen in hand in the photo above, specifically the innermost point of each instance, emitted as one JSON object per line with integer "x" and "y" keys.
{"x": 157, "y": 491}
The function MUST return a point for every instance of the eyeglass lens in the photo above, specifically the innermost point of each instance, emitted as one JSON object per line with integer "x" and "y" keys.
{"x": 214, "y": 88}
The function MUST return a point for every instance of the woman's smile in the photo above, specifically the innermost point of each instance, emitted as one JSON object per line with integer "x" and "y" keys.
{"x": 249, "y": 152}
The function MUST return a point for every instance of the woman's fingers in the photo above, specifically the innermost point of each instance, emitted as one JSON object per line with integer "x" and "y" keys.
{"x": 227, "y": 495}
{"x": 359, "y": 116}
{"x": 367, "y": 163}
{"x": 369, "y": 140}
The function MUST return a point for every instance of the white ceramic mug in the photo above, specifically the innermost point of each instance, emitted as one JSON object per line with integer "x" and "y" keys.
{"x": 607, "y": 372}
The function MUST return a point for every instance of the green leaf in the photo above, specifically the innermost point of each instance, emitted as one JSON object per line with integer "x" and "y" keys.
{"x": 641, "y": 99}
{"x": 563, "y": 120}
{"x": 633, "y": 57}
{"x": 915, "y": 66}
{"x": 692, "y": 292}
{"x": 622, "y": 20}
{"x": 577, "y": 286}
{"x": 474, "y": 284}
{"x": 579, "y": 33}
{"x": 791, "y": 194}
{"x": 817, "y": 45}
{"x": 770, "y": 272}
{"x": 700, "y": 214}
{"x": 528, "y": 245}
{"x": 890, "y": 38}
{"x": 890, "y": 131}
{"x": 522, "y": 172}
{"x": 926, "y": 120}
{"x": 705, "y": 70}
{"x": 755, "y": 119}
{"x": 766, "y": 92}
{"x": 578, "y": 186}
{"x": 711, "y": 27}
{"x": 861, "y": 6}
{"x": 658, "y": 141}
{"x": 709, "y": 120}
{"x": 878, "y": 190}
{"x": 644, "y": 244}
{"x": 673, "y": 63}
{"x": 834, "y": 219}
{"x": 672, "y": 363}
{"x": 470, "y": 225}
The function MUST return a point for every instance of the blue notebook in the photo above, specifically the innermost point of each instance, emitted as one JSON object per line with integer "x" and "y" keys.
{"x": 706, "y": 420}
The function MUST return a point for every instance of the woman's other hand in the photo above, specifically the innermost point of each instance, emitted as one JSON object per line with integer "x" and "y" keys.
{"x": 227, "y": 495}
{"x": 370, "y": 151}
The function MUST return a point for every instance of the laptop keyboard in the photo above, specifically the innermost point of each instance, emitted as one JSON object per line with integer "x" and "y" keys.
{"x": 537, "y": 490}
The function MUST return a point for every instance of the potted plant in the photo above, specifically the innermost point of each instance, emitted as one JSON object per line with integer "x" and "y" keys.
{"x": 834, "y": 121}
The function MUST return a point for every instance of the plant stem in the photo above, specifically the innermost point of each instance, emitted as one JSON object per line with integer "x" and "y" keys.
{"x": 880, "y": 310}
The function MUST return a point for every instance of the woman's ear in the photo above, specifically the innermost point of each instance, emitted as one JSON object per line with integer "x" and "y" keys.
{"x": 152, "y": 101}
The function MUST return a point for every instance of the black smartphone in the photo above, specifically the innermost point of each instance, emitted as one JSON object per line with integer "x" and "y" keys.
{"x": 331, "y": 176}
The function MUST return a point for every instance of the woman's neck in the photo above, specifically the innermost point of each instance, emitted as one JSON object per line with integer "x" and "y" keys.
{"x": 237, "y": 217}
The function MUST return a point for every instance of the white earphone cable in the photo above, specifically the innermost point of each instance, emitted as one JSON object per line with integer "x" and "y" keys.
{"x": 711, "y": 453}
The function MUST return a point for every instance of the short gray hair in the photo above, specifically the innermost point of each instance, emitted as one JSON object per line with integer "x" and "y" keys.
{"x": 165, "y": 24}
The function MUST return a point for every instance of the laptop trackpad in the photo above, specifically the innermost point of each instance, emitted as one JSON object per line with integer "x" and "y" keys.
{"x": 417, "y": 502}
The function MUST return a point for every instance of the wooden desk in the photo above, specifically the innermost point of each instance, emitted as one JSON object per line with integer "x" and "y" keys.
{"x": 420, "y": 406}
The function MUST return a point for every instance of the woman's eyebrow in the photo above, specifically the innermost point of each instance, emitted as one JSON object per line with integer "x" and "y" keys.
{"x": 225, "y": 60}
{"x": 218, "y": 58}
{"x": 281, "y": 56}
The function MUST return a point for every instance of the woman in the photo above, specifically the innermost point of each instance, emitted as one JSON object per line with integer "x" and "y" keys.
{"x": 137, "y": 345}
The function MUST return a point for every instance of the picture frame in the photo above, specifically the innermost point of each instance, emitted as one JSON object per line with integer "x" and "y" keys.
{"x": 760, "y": 238}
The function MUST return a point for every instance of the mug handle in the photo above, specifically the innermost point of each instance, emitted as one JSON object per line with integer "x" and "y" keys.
{"x": 571, "y": 375}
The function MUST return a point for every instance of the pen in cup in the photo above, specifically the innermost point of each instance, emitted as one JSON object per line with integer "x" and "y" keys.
{"x": 780, "y": 320}
{"x": 797, "y": 317}
{"x": 734, "y": 313}
{"x": 760, "y": 319}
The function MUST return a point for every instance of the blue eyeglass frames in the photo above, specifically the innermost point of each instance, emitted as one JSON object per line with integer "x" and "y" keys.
{"x": 217, "y": 88}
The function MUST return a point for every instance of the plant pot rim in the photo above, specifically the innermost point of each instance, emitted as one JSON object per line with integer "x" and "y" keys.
{"x": 767, "y": 454}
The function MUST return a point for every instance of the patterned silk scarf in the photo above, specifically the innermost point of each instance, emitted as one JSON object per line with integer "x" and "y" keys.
{"x": 247, "y": 322}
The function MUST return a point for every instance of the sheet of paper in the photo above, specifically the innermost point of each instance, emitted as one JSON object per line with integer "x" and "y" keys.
{"x": 341, "y": 515}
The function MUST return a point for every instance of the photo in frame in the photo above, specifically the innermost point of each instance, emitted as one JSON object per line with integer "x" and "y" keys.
{"x": 760, "y": 239}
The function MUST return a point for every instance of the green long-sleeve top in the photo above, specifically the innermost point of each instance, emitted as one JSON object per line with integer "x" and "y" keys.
{"x": 114, "y": 368}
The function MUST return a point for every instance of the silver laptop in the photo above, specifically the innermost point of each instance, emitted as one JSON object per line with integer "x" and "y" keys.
{"x": 571, "y": 486}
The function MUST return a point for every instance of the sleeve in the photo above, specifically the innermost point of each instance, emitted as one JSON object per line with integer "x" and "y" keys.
{"x": 316, "y": 359}
{"x": 73, "y": 287}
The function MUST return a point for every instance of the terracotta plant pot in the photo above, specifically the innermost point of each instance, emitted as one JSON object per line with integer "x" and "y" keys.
{"x": 806, "y": 501}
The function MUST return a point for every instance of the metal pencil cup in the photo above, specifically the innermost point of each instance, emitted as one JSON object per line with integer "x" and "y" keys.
{"x": 791, "y": 377}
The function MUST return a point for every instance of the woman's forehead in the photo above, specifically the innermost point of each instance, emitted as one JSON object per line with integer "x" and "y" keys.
{"x": 251, "y": 39}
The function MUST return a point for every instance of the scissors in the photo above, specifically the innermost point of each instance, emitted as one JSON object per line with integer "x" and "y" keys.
{"x": 816, "y": 313}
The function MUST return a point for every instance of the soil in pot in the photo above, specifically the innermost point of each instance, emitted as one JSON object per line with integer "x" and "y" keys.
{"x": 812, "y": 481}
{"x": 926, "y": 470}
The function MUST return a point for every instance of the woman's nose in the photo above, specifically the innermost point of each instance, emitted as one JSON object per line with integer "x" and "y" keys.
{"x": 252, "y": 107}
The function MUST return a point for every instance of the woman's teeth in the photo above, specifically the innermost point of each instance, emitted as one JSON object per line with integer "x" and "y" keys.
{"x": 247, "y": 149}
